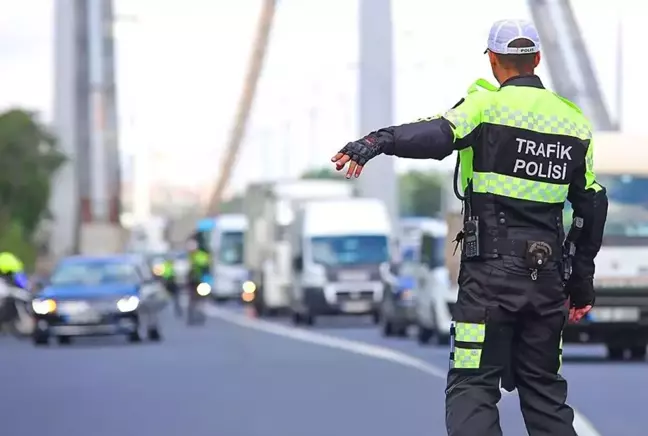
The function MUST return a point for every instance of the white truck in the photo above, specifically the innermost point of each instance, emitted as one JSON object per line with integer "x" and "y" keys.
{"x": 270, "y": 209}
{"x": 228, "y": 268}
{"x": 339, "y": 249}
{"x": 619, "y": 318}
{"x": 149, "y": 236}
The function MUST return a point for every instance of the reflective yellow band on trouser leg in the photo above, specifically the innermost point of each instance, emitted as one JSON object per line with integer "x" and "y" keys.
{"x": 470, "y": 332}
{"x": 560, "y": 353}
{"x": 466, "y": 358}
{"x": 472, "y": 335}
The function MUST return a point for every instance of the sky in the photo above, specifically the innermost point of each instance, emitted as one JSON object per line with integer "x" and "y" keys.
{"x": 180, "y": 68}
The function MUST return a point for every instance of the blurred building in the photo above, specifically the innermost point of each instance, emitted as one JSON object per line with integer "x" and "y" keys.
{"x": 151, "y": 180}
{"x": 165, "y": 182}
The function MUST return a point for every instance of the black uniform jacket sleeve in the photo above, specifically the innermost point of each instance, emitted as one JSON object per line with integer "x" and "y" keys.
{"x": 589, "y": 201}
{"x": 431, "y": 138}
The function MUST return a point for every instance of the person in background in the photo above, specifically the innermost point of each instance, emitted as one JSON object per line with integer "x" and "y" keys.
{"x": 13, "y": 270}
{"x": 171, "y": 284}
{"x": 199, "y": 261}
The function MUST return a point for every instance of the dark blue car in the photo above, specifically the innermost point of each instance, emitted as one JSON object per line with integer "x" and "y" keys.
{"x": 96, "y": 296}
{"x": 398, "y": 310}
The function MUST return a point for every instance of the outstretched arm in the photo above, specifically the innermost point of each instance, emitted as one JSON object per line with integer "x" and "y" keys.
{"x": 431, "y": 138}
{"x": 436, "y": 138}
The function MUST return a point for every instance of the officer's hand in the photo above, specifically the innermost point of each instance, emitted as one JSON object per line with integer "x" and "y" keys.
{"x": 576, "y": 315}
{"x": 357, "y": 154}
{"x": 581, "y": 297}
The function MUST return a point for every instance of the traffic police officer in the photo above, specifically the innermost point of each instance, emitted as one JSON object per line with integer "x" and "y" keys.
{"x": 523, "y": 151}
{"x": 171, "y": 284}
{"x": 199, "y": 260}
{"x": 13, "y": 270}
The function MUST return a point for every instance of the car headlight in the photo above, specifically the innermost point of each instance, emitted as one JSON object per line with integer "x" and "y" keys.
{"x": 158, "y": 270}
{"x": 248, "y": 287}
{"x": 43, "y": 307}
{"x": 203, "y": 289}
{"x": 248, "y": 297}
{"x": 128, "y": 304}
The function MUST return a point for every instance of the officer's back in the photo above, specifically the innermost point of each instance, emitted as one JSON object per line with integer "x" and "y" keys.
{"x": 523, "y": 151}
{"x": 529, "y": 146}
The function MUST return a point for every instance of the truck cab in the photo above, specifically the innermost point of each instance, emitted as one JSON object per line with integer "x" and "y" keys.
{"x": 271, "y": 210}
{"x": 340, "y": 248}
{"x": 228, "y": 269}
{"x": 619, "y": 318}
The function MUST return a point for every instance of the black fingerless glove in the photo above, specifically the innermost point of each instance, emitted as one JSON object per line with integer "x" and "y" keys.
{"x": 365, "y": 149}
{"x": 580, "y": 292}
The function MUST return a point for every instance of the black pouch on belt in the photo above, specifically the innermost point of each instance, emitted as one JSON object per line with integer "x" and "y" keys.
{"x": 538, "y": 253}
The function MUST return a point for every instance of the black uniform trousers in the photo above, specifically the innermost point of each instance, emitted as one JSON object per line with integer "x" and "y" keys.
{"x": 507, "y": 329}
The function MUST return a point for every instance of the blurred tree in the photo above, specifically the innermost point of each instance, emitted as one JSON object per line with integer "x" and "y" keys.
{"x": 13, "y": 238}
{"x": 321, "y": 173}
{"x": 29, "y": 157}
{"x": 420, "y": 193}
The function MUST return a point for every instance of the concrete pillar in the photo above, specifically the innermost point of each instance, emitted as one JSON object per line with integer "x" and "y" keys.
{"x": 104, "y": 153}
{"x": 376, "y": 103}
{"x": 68, "y": 112}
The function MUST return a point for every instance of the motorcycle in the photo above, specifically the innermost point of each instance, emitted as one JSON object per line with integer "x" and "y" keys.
{"x": 15, "y": 314}
{"x": 197, "y": 299}
{"x": 173, "y": 289}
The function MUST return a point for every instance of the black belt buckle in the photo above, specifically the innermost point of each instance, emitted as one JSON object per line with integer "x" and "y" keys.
{"x": 538, "y": 253}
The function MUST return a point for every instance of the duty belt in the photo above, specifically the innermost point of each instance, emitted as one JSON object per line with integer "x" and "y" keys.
{"x": 493, "y": 247}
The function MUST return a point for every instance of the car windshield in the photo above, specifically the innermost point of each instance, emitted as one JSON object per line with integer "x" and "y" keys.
{"x": 628, "y": 206}
{"x": 156, "y": 259}
{"x": 205, "y": 238}
{"x": 433, "y": 251}
{"x": 230, "y": 250}
{"x": 408, "y": 269}
{"x": 89, "y": 273}
{"x": 350, "y": 250}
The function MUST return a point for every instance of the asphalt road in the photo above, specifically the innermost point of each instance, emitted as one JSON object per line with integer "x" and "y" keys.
{"x": 239, "y": 377}
{"x": 610, "y": 396}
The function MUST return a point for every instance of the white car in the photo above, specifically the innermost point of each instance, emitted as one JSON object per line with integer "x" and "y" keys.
{"x": 435, "y": 293}
{"x": 434, "y": 302}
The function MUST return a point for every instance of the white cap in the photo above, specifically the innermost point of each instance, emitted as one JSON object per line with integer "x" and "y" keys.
{"x": 503, "y": 32}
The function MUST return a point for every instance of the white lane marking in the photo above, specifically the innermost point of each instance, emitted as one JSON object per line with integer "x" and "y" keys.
{"x": 582, "y": 425}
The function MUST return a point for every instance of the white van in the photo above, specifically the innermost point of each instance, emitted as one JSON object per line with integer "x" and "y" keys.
{"x": 340, "y": 246}
{"x": 271, "y": 209}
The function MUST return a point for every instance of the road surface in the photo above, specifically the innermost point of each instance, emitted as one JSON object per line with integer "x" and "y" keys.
{"x": 608, "y": 397}
{"x": 240, "y": 377}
